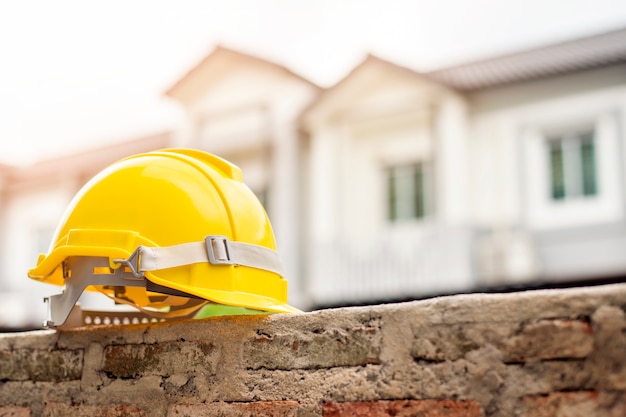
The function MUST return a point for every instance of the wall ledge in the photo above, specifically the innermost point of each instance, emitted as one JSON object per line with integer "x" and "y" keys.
{"x": 533, "y": 353}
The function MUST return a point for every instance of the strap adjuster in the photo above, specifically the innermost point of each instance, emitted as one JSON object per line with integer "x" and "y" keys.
{"x": 219, "y": 250}
{"x": 132, "y": 262}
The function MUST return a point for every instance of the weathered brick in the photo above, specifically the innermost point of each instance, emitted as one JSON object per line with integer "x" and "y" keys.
{"x": 67, "y": 410}
{"x": 609, "y": 358}
{"x": 438, "y": 343}
{"x": 14, "y": 412}
{"x": 575, "y": 404}
{"x": 544, "y": 339}
{"x": 167, "y": 358}
{"x": 550, "y": 339}
{"x": 309, "y": 350}
{"x": 541, "y": 377}
{"x": 38, "y": 365}
{"x": 34, "y": 394}
{"x": 254, "y": 409}
{"x": 403, "y": 408}
{"x": 146, "y": 393}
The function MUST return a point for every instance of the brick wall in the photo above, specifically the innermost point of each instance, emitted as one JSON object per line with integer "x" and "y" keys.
{"x": 543, "y": 353}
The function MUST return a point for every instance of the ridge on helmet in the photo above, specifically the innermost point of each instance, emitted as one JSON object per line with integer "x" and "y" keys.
{"x": 168, "y": 232}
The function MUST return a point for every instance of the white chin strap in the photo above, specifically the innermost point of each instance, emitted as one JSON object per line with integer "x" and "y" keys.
{"x": 217, "y": 250}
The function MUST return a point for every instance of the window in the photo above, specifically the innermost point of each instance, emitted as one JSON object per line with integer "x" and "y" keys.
{"x": 406, "y": 192}
{"x": 572, "y": 175}
{"x": 572, "y": 160}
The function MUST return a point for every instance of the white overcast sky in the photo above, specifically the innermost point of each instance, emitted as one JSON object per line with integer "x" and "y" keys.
{"x": 74, "y": 74}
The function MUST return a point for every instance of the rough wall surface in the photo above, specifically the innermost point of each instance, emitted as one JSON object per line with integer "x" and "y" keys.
{"x": 541, "y": 353}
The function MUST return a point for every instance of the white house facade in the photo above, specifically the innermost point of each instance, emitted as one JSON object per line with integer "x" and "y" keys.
{"x": 394, "y": 184}
{"x": 546, "y": 139}
{"x": 387, "y": 187}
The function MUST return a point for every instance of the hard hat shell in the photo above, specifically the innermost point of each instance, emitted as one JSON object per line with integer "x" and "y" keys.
{"x": 165, "y": 198}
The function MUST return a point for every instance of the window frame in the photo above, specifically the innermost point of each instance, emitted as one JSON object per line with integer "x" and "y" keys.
{"x": 541, "y": 212}
{"x": 412, "y": 179}
{"x": 571, "y": 174}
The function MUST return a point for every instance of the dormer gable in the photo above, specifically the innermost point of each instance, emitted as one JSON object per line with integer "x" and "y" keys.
{"x": 374, "y": 87}
{"x": 227, "y": 70}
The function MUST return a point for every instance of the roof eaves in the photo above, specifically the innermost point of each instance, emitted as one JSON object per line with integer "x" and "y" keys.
{"x": 560, "y": 58}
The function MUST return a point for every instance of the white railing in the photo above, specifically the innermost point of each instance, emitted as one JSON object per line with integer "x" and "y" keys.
{"x": 401, "y": 268}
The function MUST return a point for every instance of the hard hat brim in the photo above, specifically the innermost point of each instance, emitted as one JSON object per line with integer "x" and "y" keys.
{"x": 232, "y": 298}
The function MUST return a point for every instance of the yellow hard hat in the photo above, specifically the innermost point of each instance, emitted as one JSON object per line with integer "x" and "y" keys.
{"x": 167, "y": 232}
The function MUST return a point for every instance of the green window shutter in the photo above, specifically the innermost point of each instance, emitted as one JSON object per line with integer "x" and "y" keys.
{"x": 392, "y": 203}
{"x": 588, "y": 163}
{"x": 418, "y": 190}
{"x": 557, "y": 170}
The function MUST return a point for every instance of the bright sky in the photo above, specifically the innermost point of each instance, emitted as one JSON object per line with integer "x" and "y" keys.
{"x": 76, "y": 73}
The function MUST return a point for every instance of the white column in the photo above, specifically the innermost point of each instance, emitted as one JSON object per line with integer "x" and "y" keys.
{"x": 4, "y": 241}
{"x": 283, "y": 203}
{"x": 452, "y": 161}
{"x": 324, "y": 185}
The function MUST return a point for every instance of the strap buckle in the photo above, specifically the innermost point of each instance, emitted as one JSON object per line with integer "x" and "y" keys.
{"x": 219, "y": 250}
{"x": 132, "y": 263}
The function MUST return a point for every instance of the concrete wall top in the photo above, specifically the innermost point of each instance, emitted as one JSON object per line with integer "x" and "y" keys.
{"x": 535, "y": 353}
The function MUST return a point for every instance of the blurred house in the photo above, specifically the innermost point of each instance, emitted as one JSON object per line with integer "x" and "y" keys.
{"x": 394, "y": 184}
{"x": 32, "y": 201}
{"x": 499, "y": 172}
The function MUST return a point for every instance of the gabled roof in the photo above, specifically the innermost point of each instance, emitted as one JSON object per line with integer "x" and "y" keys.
{"x": 214, "y": 64}
{"x": 580, "y": 54}
{"x": 370, "y": 60}
{"x": 353, "y": 82}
